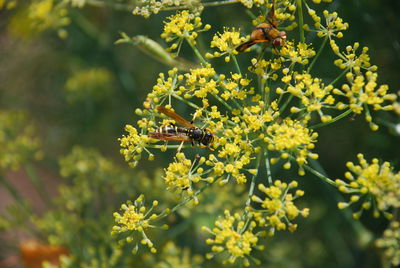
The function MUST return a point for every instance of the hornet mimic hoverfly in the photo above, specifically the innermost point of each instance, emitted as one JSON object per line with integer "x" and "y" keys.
{"x": 266, "y": 32}
{"x": 188, "y": 132}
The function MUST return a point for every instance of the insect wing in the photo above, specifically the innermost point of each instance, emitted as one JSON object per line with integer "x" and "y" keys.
{"x": 245, "y": 46}
{"x": 271, "y": 15}
{"x": 179, "y": 119}
{"x": 248, "y": 44}
{"x": 169, "y": 136}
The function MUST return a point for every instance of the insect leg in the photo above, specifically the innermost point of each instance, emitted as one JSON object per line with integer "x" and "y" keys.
{"x": 180, "y": 147}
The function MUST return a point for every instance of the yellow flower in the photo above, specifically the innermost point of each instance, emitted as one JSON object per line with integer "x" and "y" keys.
{"x": 173, "y": 256}
{"x": 297, "y": 54}
{"x": 135, "y": 220}
{"x": 8, "y": 4}
{"x": 226, "y": 43}
{"x": 165, "y": 87}
{"x": 312, "y": 92}
{"x": 291, "y": 137}
{"x": 178, "y": 174}
{"x": 333, "y": 27}
{"x": 266, "y": 69}
{"x": 349, "y": 59}
{"x": 232, "y": 237}
{"x": 45, "y": 14}
{"x": 199, "y": 83}
{"x": 362, "y": 91}
{"x": 147, "y": 7}
{"x": 133, "y": 145}
{"x": 376, "y": 182}
{"x": 95, "y": 84}
{"x": 278, "y": 206}
{"x": 391, "y": 243}
{"x": 17, "y": 140}
{"x": 234, "y": 87}
{"x": 255, "y": 116}
{"x": 183, "y": 25}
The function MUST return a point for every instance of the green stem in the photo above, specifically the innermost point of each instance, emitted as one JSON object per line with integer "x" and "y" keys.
{"x": 301, "y": 20}
{"x": 223, "y": 102}
{"x": 340, "y": 76}
{"x": 11, "y": 189}
{"x": 318, "y": 54}
{"x": 196, "y": 51}
{"x": 333, "y": 120}
{"x": 191, "y": 104}
{"x": 253, "y": 180}
{"x": 164, "y": 214}
{"x": 39, "y": 187}
{"x": 319, "y": 175}
{"x": 286, "y": 104}
{"x": 268, "y": 167}
{"x": 236, "y": 64}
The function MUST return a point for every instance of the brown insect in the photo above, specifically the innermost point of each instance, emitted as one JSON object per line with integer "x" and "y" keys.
{"x": 266, "y": 32}
{"x": 188, "y": 132}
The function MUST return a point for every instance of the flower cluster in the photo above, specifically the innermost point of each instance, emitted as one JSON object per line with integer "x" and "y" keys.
{"x": 312, "y": 92}
{"x": 226, "y": 43}
{"x": 362, "y": 91}
{"x": 8, "y": 4}
{"x": 49, "y": 14}
{"x": 277, "y": 207}
{"x": 299, "y": 53}
{"x": 334, "y": 25}
{"x": 133, "y": 145}
{"x": 17, "y": 140}
{"x": 199, "y": 83}
{"x": 257, "y": 117}
{"x": 183, "y": 25}
{"x": 391, "y": 243}
{"x": 291, "y": 138}
{"x": 234, "y": 87}
{"x": 89, "y": 172}
{"x": 350, "y": 60}
{"x": 135, "y": 219}
{"x": 374, "y": 184}
{"x": 183, "y": 172}
{"x": 233, "y": 236}
{"x": 93, "y": 84}
{"x": 173, "y": 256}
{"x": 148, "y": 7}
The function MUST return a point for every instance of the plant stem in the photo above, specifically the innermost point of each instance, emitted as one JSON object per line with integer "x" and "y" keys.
{"x": 236, "y": 64}
{"x": 39, "y": 187}
{"x": 333, "y": 120}
{"x": 319, "y": 175}
{"x": 286, "y": 104}
{"x": 340, "y": 76}
{"x": 223, "y": 102}
{"x": 196, "y": 51}
{"x": 253, "y": 180}
{"x": 11, "y": 189}
{"x": 318, "y": 54}
{"x": 301, "y": 20}
{"x": 191, "y": 104}
{"x": 268, "y": 167}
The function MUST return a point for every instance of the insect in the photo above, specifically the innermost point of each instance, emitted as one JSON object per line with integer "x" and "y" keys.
{"x": 188, "y": 132}
{"x": 265, "y": 32}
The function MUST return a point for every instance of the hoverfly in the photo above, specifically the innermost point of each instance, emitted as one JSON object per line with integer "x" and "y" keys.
{"x": 266, "y": 32}
{"x": 188, "y": 132}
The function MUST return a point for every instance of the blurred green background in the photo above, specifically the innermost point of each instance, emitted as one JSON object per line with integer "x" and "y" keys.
{"x": 39, "y": 73}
